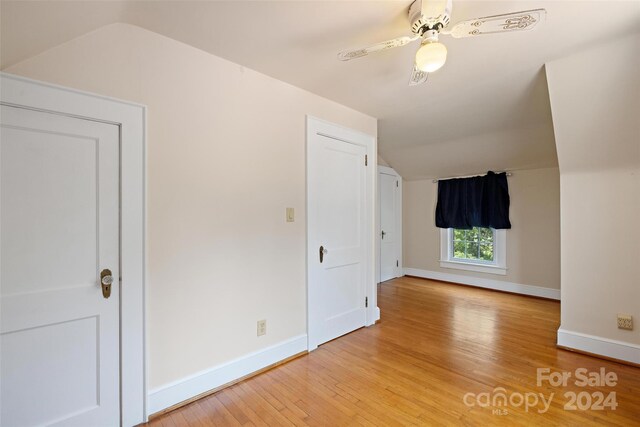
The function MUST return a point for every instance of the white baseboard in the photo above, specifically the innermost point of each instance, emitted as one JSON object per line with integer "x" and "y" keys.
{"x": 178, "y": 391}
{"x": 479, "y": 282}
{"x": 598, "y": 345}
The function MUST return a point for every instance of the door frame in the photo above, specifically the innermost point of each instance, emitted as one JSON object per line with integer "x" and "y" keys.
{"x": 384, "y": 170}
{"x": 314, "y": 127}
{"x": 131, "y": 119}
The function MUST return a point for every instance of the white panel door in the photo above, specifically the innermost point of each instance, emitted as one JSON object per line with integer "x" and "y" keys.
{"x": 388, "y": 186}
{"x": 337, "y": 237}
{"x": 59, "y": 228}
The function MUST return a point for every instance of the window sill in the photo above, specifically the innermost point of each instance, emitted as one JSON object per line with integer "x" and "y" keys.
{"x": 469, "y": 266}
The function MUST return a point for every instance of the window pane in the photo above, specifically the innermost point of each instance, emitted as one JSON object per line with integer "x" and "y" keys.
{"x": 486, "y": 234}
{"x": 486, "y": 252}
{"x": 472, "y": 250}
{"x": 472, "y": 235}
{"x": 458, "y": 249}
{"x": 458, "y": 234}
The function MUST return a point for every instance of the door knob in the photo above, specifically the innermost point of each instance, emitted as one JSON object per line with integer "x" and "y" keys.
{"x": 323, "y": 252}
{"x": 383, "y": 233}
{"x": 106, "y": 280}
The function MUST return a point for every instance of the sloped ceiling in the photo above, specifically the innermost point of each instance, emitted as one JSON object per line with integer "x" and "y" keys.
{"x": 487, "y": 108}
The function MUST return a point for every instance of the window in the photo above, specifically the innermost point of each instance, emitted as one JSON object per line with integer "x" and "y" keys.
{"x": 475, "y": 244}
{"x": 478, "y": 249}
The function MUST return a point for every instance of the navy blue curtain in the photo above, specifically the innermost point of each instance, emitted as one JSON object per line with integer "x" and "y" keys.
{"x": 479, "y": 201}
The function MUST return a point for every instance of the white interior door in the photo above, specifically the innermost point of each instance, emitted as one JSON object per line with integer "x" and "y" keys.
{"x": 337, "y": 235}
{"x": 59, "y": 228}
{"x": 388, "y": 186}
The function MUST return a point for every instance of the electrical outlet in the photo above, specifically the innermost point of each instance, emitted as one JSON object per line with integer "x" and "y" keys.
{"x": 625, "y": 321}
{"x": 262, "y": 327}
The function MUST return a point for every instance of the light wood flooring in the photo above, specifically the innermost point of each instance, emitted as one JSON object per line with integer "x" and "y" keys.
{"x": 436, "y": 342}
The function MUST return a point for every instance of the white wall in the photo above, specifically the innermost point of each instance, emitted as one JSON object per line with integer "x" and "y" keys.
{"x": 226, "y": 156}
{"x": 595, "y": 102}
{"x": 533, "y": 242}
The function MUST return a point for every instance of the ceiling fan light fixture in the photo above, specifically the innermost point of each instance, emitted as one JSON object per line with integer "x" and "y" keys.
{"x": 431, "y": 56}
{"x": 430, "y": 19}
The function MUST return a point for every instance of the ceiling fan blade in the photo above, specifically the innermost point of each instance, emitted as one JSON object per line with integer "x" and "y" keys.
{"x": 389, "y": 44}
{"x": 417, "y": 76}
{"x": 517, "y": 21}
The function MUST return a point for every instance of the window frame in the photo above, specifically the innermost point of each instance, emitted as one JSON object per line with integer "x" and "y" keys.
{"x": 497, "y": 266}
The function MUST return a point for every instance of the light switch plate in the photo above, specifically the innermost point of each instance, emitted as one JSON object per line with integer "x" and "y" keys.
{"x": 290, "y": 215}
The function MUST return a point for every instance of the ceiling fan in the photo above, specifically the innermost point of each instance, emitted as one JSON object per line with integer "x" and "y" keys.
{"x": 429, "y": 19}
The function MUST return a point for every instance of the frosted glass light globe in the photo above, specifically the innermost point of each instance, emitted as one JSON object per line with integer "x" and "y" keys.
{"x": 431, "y": 56}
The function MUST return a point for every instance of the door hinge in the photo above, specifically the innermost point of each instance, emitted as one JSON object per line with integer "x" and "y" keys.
{"x": 397, "y": 263}
{"x": 366, "y": 160}
{"x": 396, "y": 184}
{"x": 366, "y": 301}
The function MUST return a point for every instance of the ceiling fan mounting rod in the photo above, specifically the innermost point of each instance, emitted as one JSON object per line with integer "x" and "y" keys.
{"x": 429, "y": 15}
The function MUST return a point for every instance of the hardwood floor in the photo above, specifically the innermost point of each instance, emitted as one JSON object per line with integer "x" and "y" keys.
{"x": 436, "y": 344}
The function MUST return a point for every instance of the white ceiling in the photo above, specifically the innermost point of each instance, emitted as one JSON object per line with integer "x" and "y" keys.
{"x": 487, "y": 108}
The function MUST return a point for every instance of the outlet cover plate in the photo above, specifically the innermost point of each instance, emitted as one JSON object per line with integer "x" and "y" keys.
{"x": 262, "y": 327}
{"x": 625, "y": 321}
